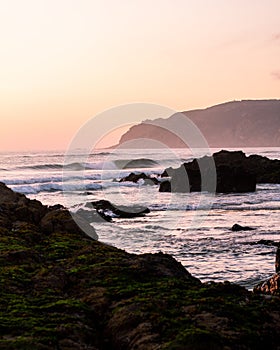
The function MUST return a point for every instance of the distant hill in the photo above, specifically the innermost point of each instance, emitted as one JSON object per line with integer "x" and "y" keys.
{"x": 248, "y": 123}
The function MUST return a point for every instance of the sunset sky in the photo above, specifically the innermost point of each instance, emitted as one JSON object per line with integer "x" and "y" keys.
{"x": 64, "y": 61}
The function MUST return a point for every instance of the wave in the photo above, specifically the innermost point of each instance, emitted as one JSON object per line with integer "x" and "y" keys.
{"x": 108, "y": 165}
{"x": 48, "y": 179}
{"x": 53, "y": 166}
{"x": 135, "y": 163}
{"x": 53, "y": 187}
{"x": 208, "y": 206}
{"x": 40, "y": 167}
{"x": 100, "y": 154}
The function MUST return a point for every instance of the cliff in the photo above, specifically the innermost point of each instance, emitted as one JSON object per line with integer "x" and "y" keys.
{"x": 248, "y": 123}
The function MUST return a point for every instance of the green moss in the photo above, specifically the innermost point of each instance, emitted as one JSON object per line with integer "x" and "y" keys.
{"x": 195, "y": 339}
{"x": 100, "y": 282}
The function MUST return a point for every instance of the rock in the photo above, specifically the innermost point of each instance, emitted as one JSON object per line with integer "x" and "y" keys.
{"x": 148, "y": 180}
{"x": 93, "y": 216}
{"x": 237, "y": 227}
{"x": 61, "y": 289}
{"x": 165, "y": 186}
{"x": 277, "y": 260}
{"x": 18, "y": 207}
{"x": 266, "y": 170}
{"x": 224, "y": 172}
{"x": 169, "y": 172}
{"x": 270, "y": 286}
{"x": 56, "y": 207}
{"x": 234, "y": 180}
{"x": 267, "y": 242}
{"x": 105, "y": 208}
{"x": 17, "y": 211}
{"x": 62, "y": 221}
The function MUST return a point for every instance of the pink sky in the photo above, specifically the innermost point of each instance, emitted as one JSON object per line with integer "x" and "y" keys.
{"x": 64, "y": 61}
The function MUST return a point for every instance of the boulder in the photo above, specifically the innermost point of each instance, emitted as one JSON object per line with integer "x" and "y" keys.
{"x": 224, "y": 172}
{"x": 237, "y": 227}
{"x": 62, "y": 221}
{"x": 106, "y": 209}
{"x": 148, "y": 180}
{"x": 234, "y": 180}
{"x": 165, "y": 186}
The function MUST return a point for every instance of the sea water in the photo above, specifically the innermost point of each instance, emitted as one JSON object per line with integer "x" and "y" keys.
{"x": 195, "y": 228}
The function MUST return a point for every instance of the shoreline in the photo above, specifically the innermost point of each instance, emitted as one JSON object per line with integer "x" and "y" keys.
{"x": 61, "y": 289}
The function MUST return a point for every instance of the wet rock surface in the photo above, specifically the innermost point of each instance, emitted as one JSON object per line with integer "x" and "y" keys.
{"x": 148, "y": 180}
{"x": 60, "y": 289}
{"x": 107, "y": 210}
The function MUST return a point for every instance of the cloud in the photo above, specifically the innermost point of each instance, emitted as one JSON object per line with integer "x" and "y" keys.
{"x": 276, "y": 74}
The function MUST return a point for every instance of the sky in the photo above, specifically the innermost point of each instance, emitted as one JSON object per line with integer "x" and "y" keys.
{"x": 65, "y": 61}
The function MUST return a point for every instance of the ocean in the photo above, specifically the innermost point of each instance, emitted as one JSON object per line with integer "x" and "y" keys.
{"x": 195, "y": 228}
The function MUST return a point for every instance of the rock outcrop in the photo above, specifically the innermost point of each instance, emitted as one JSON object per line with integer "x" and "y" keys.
{"x": 107, "y": 210}
{"x": 148, "y": 180}
{"x": 237, "y": 227}
{"x": 16, "y": 210}
{"x": 232, "y": 171}
{"x": 60, "y": 289}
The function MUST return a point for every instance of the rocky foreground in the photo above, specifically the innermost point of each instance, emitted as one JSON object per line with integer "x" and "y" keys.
{"x": 61, "y": 289}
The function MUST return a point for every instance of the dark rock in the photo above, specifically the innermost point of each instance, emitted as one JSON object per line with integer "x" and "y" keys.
{"x": 21, "y": 256}
{"x": 165, "y": 186}
{"x": 55, "y": 279}
{"x": 94, "y": 216}
{"x": 224, "y": 172}
{"x": 56, "y": 207}
{"x": 277, "y": 259}
{"x": 169, "y": 172}
{"x": 62, "y": 221}
{"x": 266, "y": 170}
{"x": 234, "y": 179}
{"x": 237, "y": 227}
{"x": 148, "y": 180}
{"x": 16, "y": 207}
{"x": 267, "y": 242}
{"x": 105, "y": 208}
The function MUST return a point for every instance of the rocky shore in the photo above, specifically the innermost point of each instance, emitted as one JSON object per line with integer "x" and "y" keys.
{"x": 61, "y": 289}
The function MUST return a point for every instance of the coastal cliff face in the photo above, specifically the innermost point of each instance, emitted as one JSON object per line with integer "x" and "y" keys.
{"x": 248, "y": 123}
{"x": 61, "y": 289}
